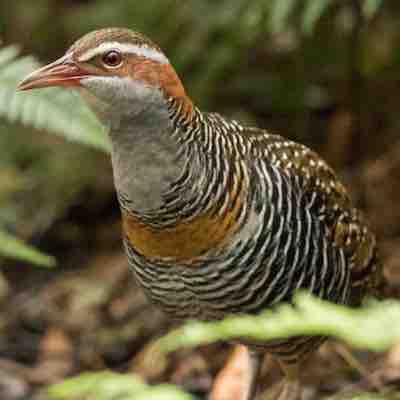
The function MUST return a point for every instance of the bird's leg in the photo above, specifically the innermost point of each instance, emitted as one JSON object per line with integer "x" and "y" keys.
{"x": 255, "y": 360}
{"x": 238, "y": 379}
{"x": 290, "y": 389}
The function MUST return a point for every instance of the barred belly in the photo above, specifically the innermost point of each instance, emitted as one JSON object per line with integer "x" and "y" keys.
{"x": 283, "y": 247}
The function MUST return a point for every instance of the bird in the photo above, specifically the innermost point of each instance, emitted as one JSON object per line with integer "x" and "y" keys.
{"x": 218, "y": 218}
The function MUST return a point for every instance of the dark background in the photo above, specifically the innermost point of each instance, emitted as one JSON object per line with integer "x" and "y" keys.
{"x": 327, "y": 76}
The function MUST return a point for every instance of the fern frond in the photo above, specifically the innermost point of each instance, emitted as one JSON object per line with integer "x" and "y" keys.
{"x": 312, "y": 12}
{"x": 371, "y": 7}
{"x": 279, "y": 14}
{"x": 112, "y": 386}
{"x": 54, "y": 110}
{"x": 15, "y": 248}
{"x": 370, "y": 328}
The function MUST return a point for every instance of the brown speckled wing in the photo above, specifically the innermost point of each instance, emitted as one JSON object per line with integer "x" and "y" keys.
{"x": 346, "y": 225}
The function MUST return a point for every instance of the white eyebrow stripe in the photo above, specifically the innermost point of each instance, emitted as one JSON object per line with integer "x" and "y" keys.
{"x": 142, "y": 51}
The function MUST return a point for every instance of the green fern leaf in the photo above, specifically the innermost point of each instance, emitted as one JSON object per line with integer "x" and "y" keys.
{"x": 313, "y": 10}
{"x": 368, "y": 328}
{"x": 12, "y": 247}
{"x": 55, "y": 110}
{"x": 371, "y": 7}
{"x": 112, "y": 386}
{"x": 279, "y": 14}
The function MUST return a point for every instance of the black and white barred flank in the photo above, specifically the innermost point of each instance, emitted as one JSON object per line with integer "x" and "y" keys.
{"x": 285, "y": 240}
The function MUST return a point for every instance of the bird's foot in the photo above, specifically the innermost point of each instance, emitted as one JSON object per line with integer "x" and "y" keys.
{"x": 285, "y": 390}
{"x": 238, "y": 379}
{"x": 291, "y": 390}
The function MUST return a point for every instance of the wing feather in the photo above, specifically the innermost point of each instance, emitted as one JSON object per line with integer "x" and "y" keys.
{"x": 346, "y": 225}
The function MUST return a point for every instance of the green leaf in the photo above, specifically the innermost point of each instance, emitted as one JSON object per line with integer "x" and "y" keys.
{"x": 162, "y": 392}
{"x": 105, "y": 385}
{"x": 279, "y": 14}
{"x": 313, "y": 10}
{"x": 369, "y": 397}
{"x": 112, "y": 386}
{"x": 55, "y": 110}
{"x": 371, "y": 7}
{"x": 12, "y": 247}
{"x": 370, "y": 327}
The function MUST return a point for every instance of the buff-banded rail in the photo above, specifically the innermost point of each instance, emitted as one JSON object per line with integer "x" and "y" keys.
{"x": 218, "y": 218}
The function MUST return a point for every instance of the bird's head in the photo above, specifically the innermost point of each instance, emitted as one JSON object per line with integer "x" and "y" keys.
{"x": 119, "y": 72}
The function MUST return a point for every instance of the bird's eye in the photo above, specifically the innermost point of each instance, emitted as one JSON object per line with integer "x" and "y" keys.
{"x": 113, "y": 58}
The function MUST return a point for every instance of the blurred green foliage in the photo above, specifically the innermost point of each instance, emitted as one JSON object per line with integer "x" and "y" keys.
{"x": 370, "y": 327}
{"x": 15, "y": 248}
{"x": 55, "y": 110}
{"x": 112, "y": 386}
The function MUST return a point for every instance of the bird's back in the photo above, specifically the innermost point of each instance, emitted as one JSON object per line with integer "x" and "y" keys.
{"x": 345, "y": 227}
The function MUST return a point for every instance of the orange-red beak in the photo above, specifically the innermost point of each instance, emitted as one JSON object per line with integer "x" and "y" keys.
{"x": 63, "y": 72}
